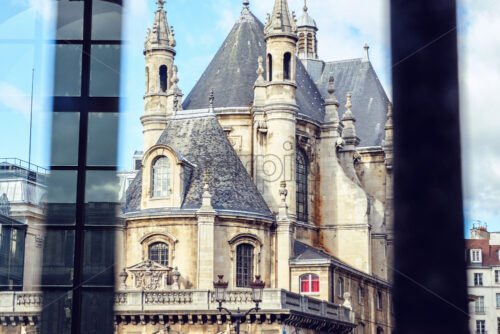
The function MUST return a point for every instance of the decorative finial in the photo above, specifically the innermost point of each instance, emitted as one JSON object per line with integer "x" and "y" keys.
{"x": 283, "y": 192}
{"x": 367, "y": 52}
{"x": 160, "y": 4}
{"x": 305, "y": 5}
{"x": 389, "y": 110}
{"x": 211, "y": 98}
{"x": 206, "y": 198}
{"x": 348, "y": 104}
{"x": 206, "y": 179}
{"x": 246, "y": 3}
{"x": 331, "y": 88}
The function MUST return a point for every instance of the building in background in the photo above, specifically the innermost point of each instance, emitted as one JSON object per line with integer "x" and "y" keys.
{"x": 483, "y": 276}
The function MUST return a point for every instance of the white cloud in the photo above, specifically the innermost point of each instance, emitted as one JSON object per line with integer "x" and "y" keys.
{"x": 479, "y": 80}
{"x": 14, "y": 99}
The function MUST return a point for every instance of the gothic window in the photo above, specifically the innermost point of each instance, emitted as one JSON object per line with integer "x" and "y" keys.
{"x": 287, "y": 68}
{"x": 163, "y": 78}
{"x": 301, "y": 179}
{"x": 158, "y": 252}
{"x": 147, "y": 79}
{"x": 302, "y": 43}
{"x": 270, "y": 66}
{"x": 161, "y": 177}
{"x": 310, "y": 44}
{"x": 309, "y": 283}
{"x": 244, "y": 265}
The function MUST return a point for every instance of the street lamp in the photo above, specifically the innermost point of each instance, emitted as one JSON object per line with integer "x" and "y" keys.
{"x": 220, "y": 296}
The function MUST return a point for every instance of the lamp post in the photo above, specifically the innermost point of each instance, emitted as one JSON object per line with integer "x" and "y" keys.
{"x": 220, "y": 296}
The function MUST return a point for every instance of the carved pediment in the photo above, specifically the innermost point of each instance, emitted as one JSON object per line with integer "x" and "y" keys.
{"x": 149, "y": 275}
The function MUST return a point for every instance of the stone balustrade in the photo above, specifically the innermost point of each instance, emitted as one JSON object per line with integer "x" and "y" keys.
{"x": 188, "y": 301}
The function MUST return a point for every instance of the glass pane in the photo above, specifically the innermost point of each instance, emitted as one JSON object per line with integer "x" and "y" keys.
{"x": 61, "y": 198}
{"x": 97, "y": 312}
{"x": 57, "y": 266}
{"x": 67, "y": 70}
{"x": 106, "y": 20}
{"x": 101, "y": 196}
{"x": 12, "y": 241}
{"x": 65, "y": 129}
{"x": 105, "y": 70}
{"x": 102, "y": 139}
{"x": 69, "y": 20}
{"x": 98, "y": 259}
{"x": 56, "y": 314}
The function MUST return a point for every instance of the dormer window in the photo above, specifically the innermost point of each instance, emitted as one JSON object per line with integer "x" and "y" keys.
{"x": 161, "y": 177}
{"x": 475, "y": 256}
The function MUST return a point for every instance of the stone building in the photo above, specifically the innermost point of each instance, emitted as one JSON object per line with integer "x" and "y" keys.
{"x": 276, "y": 164}
{"x": 483, "y": 277}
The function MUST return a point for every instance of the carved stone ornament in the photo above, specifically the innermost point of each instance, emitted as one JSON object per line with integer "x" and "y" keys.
{"x": 149, "y": 275}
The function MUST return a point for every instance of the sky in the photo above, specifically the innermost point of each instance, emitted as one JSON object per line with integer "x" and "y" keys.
{"x": 201, "y": 27}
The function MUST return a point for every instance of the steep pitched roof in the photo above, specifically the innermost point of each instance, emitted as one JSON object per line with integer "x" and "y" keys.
{"x": 232, "y": 73}
{"x": 369, "y": 99}
{"x": 202, "y": 141}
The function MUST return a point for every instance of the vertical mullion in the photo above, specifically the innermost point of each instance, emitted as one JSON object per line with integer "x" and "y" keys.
{"x": 82, "y": 160}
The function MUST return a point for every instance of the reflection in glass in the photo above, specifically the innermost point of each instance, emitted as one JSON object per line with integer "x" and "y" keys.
{"x": 65, "y": 126}
{"x": 12, "y": 241}
{"x": 57, "y": 304}
{"x": 101, "y": 197}
{"x": 61, "y": 198}
{"x": 105, "y": 70}
{"x": 67, "y": 70}
{"x": 69, "y": 20}
{"x": 97, "y": 315}
{"x": 98, "y": 259}
{"x": 57, "y": 266}
{"x": 102, "y": 139}
{"x": 106, "y": 20}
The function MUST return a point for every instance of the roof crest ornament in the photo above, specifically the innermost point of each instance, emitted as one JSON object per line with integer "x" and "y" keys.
{"x": 367, "y": 52}
{"x": 331, "y": 91}
{"x": 160, "y": 4}
{"x": 305, "y": 6}
{"x": 206, "y": 200}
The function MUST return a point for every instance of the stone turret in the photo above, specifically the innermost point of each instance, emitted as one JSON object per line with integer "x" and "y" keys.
{"x": 162, "y": 96}
{"x": 307, "y": 31}
{"x": 280, "y": 105}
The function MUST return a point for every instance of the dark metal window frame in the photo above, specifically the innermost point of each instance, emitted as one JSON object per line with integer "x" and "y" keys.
{"x": 158, "y": 252}
{"x": 244, "y": 265}
{"x": 301, "y": 180}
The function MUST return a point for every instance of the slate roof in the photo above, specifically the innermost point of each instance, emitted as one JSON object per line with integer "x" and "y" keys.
{"x": 202, "y": 142}
{"x": 232, "y": 73}
{"x": 303, "y": 251}
{"x": 369, "y": 99}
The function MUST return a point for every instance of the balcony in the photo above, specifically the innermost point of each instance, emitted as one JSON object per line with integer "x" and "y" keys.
{"x": 194, "y": 306}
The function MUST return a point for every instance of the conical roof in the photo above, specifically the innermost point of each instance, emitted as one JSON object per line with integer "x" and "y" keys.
{"x": 201, "y": 141}
{"x": 232, "y": 73}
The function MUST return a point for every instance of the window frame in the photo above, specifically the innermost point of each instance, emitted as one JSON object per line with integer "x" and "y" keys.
{"x": 480, "y": 327}
{"x": 379, "y": 300}
{"x": 310, "y": 277}
{"x": 247, "y": 260}
{"x": 479, "y": 305}
{"x": 478, "y": 279}
{"x": 166, "y": 174}
{"x": 360, "y": 295}
{"x": 340, "y": 287}
{"x": 301, "y": 181}
{"x": 476, "y": 255}
{"x": 166, "y": 256}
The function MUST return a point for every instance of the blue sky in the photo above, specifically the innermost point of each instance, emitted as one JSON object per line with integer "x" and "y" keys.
{"x": 202, "y": 25}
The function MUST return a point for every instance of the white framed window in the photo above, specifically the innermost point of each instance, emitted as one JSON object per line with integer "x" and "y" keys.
{"x": 479, "y": 305}
{"x": 340, "y": 287}
{"x": 161, "y": 177}
{"x": 480, "y": 327}
{"x": 309, "y": 283}
{"x": 497, "y": 276}
{"x": 478, "y": 279}
{"x": 498, "y": 300}
{"x": 476, "y": 256}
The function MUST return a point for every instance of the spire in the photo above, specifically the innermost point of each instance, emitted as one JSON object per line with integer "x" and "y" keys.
{"x": 349, "y": 121}
{"x": 332, "y": 99}
{"x": 331, "y": 103}
{"x": 246, "y": 14}
{"x": 161, "y": 35}
{"x": 281, "y": 22}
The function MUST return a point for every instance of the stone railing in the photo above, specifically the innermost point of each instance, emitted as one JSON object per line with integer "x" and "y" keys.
{"x": 140, "y": 302}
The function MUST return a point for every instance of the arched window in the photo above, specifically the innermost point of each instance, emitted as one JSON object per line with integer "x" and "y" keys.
{"x": 163, "y": 78}
{"x": 310, "y": 45}
{"x": 302, "y": 43}
{"x": 158, "y": 252}
{"x": 287, "y": 68}
{"x": 301, "y": 179}
{"x": 161, "y": 177}
{"x": 309, "y": 283}
{"x": 340, "y": 287}
{"x": 147, "y": 79}
{"x": 270, "y": 66}
{"x": 244, "y": 265}
{"x": 379, "y": 300}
